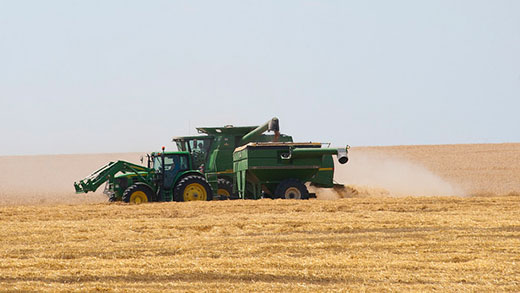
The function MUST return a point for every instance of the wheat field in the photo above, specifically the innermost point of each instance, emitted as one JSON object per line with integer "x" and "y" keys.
{"x": 378, "y": 238}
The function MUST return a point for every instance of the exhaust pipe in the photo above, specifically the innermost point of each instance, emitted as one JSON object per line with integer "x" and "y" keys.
{"x": 342, "y": 155}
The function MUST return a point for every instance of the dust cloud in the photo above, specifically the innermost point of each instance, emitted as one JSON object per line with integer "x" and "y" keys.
{"x": 373, "y": 173}
{"x": 48, "y": 179}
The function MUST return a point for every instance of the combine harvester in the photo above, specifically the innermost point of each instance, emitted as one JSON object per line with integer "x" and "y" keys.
{"x": 225, "y": 163}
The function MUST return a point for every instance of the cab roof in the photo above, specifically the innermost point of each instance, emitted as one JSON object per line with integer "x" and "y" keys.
{"x": 228, "y": 129}
{"x": 182, "y": 138}
{"x": 216, "y": 131}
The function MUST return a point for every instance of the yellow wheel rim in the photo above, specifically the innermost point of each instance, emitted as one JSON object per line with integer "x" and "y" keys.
{"x": 195, "y": 191}
{"x": 293, "y": 193}
{"x": 223, "y": 192}
{"x": 138, "y": 197}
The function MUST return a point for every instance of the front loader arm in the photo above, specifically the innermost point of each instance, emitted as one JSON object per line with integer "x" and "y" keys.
{"x": 105, "y": 173}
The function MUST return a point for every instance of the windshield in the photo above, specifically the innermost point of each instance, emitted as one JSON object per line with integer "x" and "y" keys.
{"x": 168, "y": 163}
{"x": 199, "y": 149}
{"x": 199, "y": 145}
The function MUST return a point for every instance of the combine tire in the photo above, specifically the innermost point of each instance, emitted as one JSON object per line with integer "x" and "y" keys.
{"x": 192, "y": 187}
{"x": 138, "y": 194}
{"x": 225, "y": 189}
{"x": 291, "y": 189}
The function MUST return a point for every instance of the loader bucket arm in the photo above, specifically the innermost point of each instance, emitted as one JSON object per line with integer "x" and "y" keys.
{"x": 103, "y": 174}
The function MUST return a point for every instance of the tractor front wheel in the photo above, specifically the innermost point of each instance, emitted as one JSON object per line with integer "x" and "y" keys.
{"x": 191, "y": 188}
{"x": 137, "y": 194}
{"x": 291, "y": 189}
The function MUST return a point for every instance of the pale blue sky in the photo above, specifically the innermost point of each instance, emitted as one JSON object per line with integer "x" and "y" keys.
{"x": 119, "y": 76}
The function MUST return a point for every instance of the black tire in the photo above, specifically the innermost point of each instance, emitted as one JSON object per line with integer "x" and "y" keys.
{"x": 134, "y": 194}
{"x": 291, "y": 189}
{"x": 196, "y": 185}
{"x": 225, "y": 189}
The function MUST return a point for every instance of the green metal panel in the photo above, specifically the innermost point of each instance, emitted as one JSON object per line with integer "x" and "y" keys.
{"x": 267, "y": 164}
{"x": 325, "y": 175}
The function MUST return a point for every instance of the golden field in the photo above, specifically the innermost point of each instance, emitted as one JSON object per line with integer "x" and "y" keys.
{"x": 463, "y": 236}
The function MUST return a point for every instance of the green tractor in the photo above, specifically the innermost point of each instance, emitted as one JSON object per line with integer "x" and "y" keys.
{"x": 212, "y": 153}
{"x": 169, "y": 176}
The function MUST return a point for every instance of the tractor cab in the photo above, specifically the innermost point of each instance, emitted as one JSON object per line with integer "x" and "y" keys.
{"x": 168, "y": 165}
{"x": 170, "y": 169}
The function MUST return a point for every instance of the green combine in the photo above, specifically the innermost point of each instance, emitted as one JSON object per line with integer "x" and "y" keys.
{"x": 212, "y": 153}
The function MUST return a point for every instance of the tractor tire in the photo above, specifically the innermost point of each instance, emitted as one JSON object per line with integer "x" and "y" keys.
{"x": 138, "y": 194}
{"x": 225, "y": 189}
{"x": 291, "y": 189}
{"x": 191, "y": 188}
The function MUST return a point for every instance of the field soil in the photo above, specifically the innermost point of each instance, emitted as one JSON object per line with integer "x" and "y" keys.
{"x": 421, "y": 218}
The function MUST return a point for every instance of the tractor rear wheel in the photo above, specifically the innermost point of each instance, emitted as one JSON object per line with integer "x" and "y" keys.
{"x": 225, "y": 189}
{"x": 138, "y": 194}
{"x": 191, "y": 188}
{"x": 291, "y": 189}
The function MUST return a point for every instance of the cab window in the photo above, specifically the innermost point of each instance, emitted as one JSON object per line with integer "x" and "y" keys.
{"x": 201, "y": 145}
{"x": 169, "y": 163}
{"x": 183, "y": 163}
{"x": 181, "y": 146}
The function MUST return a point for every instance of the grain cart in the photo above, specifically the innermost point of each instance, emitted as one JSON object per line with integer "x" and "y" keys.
{"x": 212, "y": 153}
{"x": 168, "y": 176}
{"x": 280, "y": 170}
